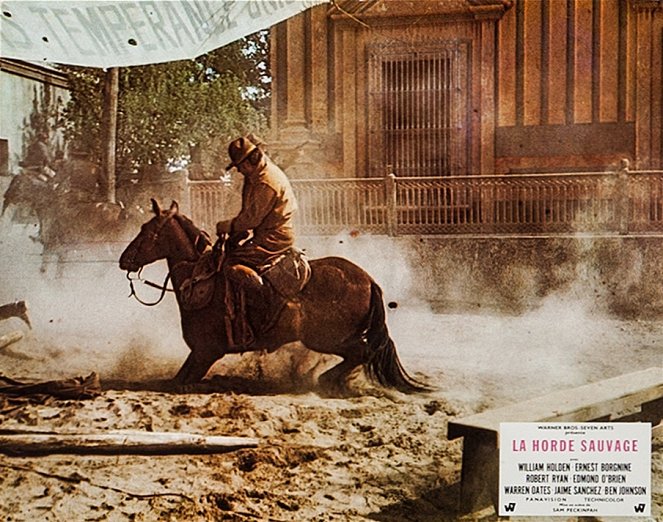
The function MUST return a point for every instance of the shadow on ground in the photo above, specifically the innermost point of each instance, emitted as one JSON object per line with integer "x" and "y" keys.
{"x": 216, "y": 384}
{"x": 434, "y": 505}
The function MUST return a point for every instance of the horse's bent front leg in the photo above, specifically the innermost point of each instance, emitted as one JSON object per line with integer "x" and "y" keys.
{"x": 195, "y": 368}
{"x": 334, "y": 382}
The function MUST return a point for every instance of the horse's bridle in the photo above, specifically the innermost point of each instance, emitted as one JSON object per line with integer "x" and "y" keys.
{"x": 153, "y": 236}
{"x": 164, "y": 287}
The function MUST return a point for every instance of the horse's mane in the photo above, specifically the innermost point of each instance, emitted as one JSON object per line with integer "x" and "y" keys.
{"x": 197, "y": 236}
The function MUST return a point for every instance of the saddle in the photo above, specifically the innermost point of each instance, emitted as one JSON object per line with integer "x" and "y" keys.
{"x": 251, "y": 314}
{"x": 197, "y": 291}
{"x": 287, "y": 275}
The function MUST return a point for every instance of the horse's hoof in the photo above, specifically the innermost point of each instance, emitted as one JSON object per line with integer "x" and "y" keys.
{"x": 184, "y": 388}
{"x": 179, "y": 386}
{"x": 336, "y": 391}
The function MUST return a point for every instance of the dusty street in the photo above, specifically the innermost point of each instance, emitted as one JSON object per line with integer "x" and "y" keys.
{"x": 381, "y": 456}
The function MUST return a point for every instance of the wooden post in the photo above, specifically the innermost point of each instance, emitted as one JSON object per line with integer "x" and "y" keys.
{"x": 390, "y": 203}
{"x": 109, "y": 133}
{"x": 479, "y": 473}
{"x": 623, "y": 197}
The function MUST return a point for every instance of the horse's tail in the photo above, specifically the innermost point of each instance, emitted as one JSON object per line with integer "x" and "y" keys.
{"x": 383, "y": 365}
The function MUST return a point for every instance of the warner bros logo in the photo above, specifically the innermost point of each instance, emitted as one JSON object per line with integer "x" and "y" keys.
{"x": 639, "y": 508}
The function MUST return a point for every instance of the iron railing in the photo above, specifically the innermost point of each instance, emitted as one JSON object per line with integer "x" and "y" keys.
{"x": 620, "y": 202}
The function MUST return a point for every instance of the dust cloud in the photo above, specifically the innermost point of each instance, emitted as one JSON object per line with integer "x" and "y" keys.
{"x": 384, "y": 259}
{"x": 488, "y": 355}
{"x": 82, "y": 318}
{"x": 84, "y": 321}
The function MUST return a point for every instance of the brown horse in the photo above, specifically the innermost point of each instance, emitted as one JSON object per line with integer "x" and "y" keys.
{"x": 340, "y": 311}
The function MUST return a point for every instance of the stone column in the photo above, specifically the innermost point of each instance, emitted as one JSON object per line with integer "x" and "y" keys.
{"x": 296, "y": 52}
{"x": 300, "y": 102}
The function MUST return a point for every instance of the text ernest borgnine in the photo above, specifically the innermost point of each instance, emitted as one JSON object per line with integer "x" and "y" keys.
{"x": 556, "y": 469}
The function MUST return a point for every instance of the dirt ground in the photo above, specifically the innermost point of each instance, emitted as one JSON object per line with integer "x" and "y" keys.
{"x": 380, "y": 456}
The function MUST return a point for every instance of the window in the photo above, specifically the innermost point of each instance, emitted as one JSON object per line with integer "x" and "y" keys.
{"x": 418, "y": 110}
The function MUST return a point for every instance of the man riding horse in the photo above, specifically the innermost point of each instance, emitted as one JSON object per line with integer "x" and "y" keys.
{"x": 259, "y": 234}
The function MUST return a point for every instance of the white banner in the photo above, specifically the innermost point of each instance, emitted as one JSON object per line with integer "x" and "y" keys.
{"x": 111, "y": 33}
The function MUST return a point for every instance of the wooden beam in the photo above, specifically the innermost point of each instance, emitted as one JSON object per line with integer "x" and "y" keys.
{"x": 506, "y": 65}
{"x": 122, "y": 442}
{"x": 556, "y": 57}
{"x": 35, "y": 71}
{"x": 585, "y": 403}
{"x": 10, "y": 338}
{"x": 109, "y": 133}
{"x": 547, "y": 141}
{"x": 532, "y": 63}
{"x": 583, "y": 61}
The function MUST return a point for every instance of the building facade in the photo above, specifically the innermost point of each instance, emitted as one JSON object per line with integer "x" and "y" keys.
{"x": 31, "y": 97}
{"x": 468, "y": 87}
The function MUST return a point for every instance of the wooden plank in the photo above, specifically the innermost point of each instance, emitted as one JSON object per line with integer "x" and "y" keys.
{"x": 587, "y": 402}
{"x": 557, "y": 63}
{"x": 643, "y": 106}
{"x": 506, "y": 90}
{"x": 532, "y": 64}
{"x": 657, "y": 95}
{"x": 630, "y": 58}
{"x": 10, "y": 338}
{"x": 582, "y": 92}
{"x": 596, "y": 401}
{"x": 609, "y": 61}
{"x": 565, "y": 140}
{"x": 528, "y": 164}
{"x": 336, "y": 51}
{"x": 361, "y": 106}
{"x": 120, "y": 442}
{"x": 657, "y": 431}
{"x": 348, "y": 101}
{"x": 487, "y": 113}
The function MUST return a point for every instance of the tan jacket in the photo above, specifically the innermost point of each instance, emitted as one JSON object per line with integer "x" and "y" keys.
{"x": 268, "y": 206}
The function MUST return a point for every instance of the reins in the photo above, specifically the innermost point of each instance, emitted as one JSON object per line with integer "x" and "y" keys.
{"x": 163, "y": 288}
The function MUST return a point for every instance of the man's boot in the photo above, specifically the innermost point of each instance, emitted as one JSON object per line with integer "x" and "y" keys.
{"x": 241, "y": 280}
{"x": 245, "y": 277}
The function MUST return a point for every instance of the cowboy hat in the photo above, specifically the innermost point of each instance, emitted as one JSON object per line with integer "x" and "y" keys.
{"x": 241, "y": 148}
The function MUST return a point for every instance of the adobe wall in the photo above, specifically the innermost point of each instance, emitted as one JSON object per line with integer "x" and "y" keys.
{"x": 618, "y": 276}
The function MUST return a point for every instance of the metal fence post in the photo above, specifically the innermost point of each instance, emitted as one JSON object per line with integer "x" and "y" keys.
{"x": 622, "y": 197}
{"x": 390, "y": 203}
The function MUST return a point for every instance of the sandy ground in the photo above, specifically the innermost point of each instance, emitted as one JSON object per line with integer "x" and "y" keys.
{"x": 380, "y": 456}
